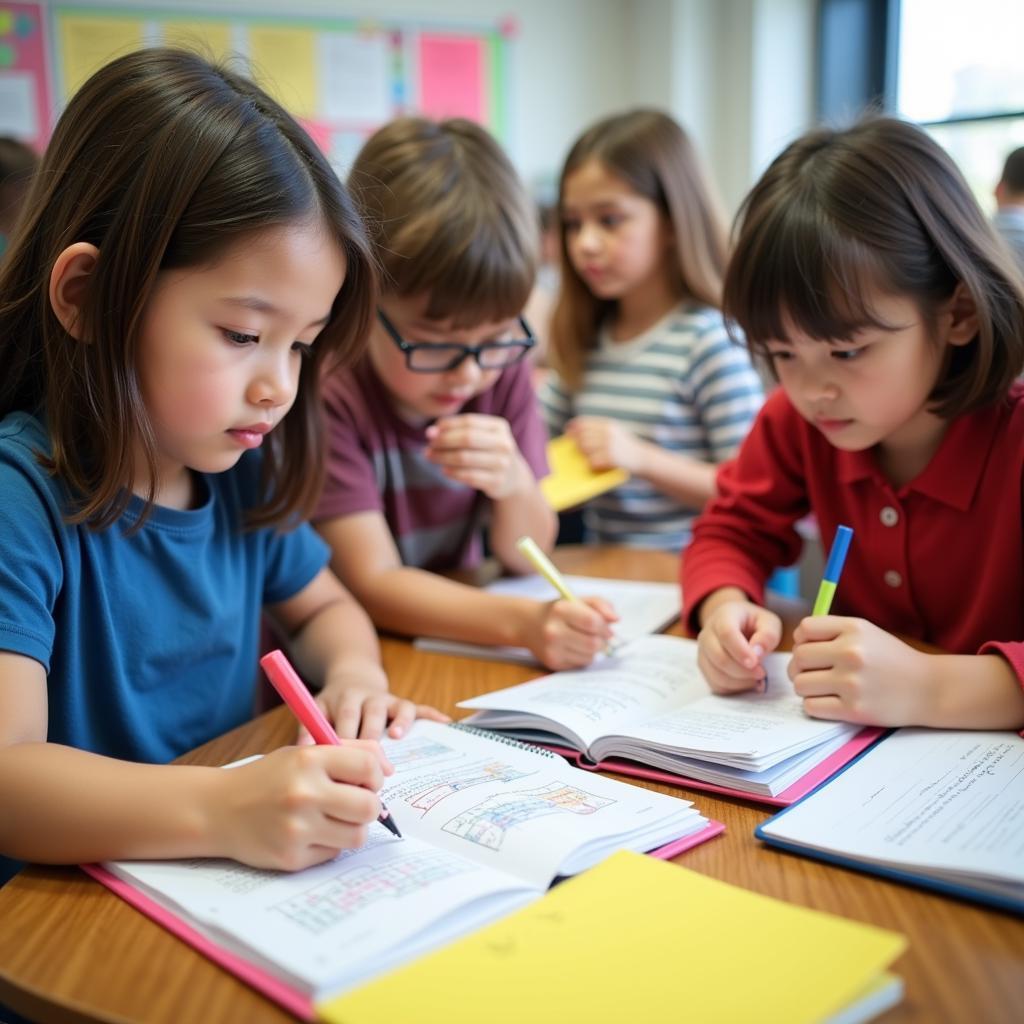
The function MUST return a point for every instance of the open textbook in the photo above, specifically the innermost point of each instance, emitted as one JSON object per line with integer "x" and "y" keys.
{"x": 487, "y": 827}
{"x": 932, "y": 807}
{"x": 649, "y": 704}
{"x": 643, "y": 608}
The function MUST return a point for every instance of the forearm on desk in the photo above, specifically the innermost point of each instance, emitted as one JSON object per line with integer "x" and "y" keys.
{"x": 415, "y": 602}
{"x": 59, "y": 805}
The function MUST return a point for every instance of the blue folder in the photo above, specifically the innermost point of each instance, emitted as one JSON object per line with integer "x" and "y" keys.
{"x": 966, "y": 892}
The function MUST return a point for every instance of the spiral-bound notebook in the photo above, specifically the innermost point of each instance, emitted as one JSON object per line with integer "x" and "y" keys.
{"x": 488, "y": 826}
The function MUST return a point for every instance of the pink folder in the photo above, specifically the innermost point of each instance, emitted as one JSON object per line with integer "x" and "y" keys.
{"x": 818, "y": 774}
{"x": 292, "y": 1000}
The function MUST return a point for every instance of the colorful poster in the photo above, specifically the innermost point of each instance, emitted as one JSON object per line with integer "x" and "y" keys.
{"x": 24, "y": 85}
{"x": 87, "y": 43}
{"x": 346, "y": 76}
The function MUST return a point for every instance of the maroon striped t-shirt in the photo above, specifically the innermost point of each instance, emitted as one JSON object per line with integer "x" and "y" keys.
{"x": 375, "y": 463}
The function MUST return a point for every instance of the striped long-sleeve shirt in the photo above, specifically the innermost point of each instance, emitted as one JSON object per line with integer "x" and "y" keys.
{"x": 684, "y": 385}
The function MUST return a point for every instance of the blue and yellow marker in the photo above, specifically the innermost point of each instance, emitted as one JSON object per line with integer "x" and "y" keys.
{"x": 833, "y": 569}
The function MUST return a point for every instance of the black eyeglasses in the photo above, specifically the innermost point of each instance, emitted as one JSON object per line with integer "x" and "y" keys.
{"x": 440, "y": 357}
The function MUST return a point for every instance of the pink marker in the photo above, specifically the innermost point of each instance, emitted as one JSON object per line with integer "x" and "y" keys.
{"x": 300, "y": 701}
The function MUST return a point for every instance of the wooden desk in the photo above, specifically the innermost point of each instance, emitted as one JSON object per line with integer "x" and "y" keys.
{"x": 71, "y": 951}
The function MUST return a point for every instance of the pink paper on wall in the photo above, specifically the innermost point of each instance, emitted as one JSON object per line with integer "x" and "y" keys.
{"x": 453, "y": 80}
{"x": 24, "y": 85}
{"x": 319, "y": 132}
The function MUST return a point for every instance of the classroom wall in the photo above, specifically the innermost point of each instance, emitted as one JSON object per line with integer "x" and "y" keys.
{"x": 738, "y": 73}
{"x": 566, "y": 67}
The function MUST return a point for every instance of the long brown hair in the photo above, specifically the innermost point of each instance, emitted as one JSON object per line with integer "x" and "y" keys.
{"x": 163, "y": 160}
{"x": 877, "y": 205}
{"x": 448, "y": 218}
{"x": 652, "y": 154}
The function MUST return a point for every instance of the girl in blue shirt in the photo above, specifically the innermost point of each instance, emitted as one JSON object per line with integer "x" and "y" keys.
{"x": 189, "y": 265}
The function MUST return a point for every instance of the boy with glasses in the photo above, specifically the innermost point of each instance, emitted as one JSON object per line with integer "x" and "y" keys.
{"x": 435, "y": 436}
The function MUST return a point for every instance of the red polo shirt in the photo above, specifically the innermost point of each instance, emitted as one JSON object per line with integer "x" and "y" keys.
{"x": 940, "y": 559}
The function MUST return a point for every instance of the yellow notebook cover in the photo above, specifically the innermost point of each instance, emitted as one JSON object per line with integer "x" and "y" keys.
{"x": 571, "y": 480}
{"x": 631, "y": 939}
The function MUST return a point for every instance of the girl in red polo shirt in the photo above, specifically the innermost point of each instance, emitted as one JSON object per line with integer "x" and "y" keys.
{"x": 893, "y": 318}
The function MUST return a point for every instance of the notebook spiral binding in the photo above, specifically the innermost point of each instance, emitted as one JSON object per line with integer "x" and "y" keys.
{"x": 509, "y": 741}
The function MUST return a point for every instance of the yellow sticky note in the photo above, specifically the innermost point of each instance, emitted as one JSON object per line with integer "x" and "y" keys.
{"x": 87, "y": 42}
{"x": 572, "y": 481}
{"x": 284, "y": 62}
{"x": 625, "y": 941}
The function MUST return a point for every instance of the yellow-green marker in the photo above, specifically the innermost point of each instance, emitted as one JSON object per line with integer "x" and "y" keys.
{"x": 833, "y": 568}
{"x": 528, "y": 548}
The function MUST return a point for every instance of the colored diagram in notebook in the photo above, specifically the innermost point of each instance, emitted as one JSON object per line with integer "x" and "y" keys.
{"x": 488, "y": 822}
{"x": 412, "y": 752}
{"x": 352, "y": 891}
{"x": 476, "y": 774}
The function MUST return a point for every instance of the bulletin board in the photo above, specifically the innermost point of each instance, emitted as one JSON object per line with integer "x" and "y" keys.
{"x": 26, "y": 105}
{"x": 341, "y": 77}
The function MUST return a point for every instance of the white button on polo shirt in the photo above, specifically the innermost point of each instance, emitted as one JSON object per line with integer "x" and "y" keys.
{"x": 889, "y": 516}
{"x": 893, "y": 578}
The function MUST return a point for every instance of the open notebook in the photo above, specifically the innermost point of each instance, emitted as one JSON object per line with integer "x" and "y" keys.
{"x": 935, "y": 808}
{"x": 488, "y": 826}
{"x": 643, "y": 608}
{"x": 638, "y": 940}
{"x": 647, "y": 711}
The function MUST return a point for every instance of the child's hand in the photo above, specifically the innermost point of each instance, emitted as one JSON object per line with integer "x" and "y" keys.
{"x": 730, "y": 647}
{"x": 357, "y": 703}
{"x": 568, "y": 634}
{"x": 480, "y": 452}
{"x": 298, "y": 805}
{"x": 607, "y": 444}
{"x": 850, "y": 670}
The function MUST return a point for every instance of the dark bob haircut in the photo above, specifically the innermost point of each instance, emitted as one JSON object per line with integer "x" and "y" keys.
{"x": 878, "y": 206}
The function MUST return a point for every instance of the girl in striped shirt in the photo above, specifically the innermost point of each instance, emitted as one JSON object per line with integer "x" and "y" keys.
{"x": 645, "y": 376}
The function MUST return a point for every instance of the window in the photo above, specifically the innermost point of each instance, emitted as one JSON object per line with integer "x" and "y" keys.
{"x": 960, "y": 73}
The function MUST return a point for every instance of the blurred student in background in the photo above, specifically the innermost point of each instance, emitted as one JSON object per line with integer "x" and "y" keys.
{"x": 645, "y": 376}
{"x": 1009, "y": 217}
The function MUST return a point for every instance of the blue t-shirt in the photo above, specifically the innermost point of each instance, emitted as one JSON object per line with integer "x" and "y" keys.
{"x": 149, "y": 640}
